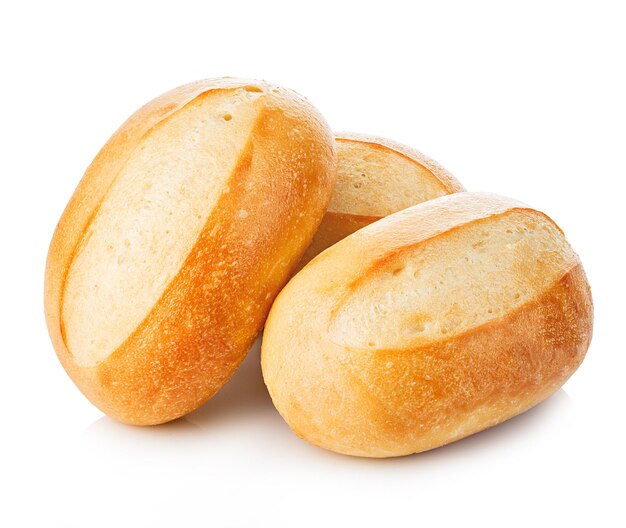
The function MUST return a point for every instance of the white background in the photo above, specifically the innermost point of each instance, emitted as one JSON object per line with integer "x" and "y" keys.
{"x": 526, "y": 99}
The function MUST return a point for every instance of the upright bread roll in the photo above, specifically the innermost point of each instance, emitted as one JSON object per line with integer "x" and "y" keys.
{"x": 376, "y": 177}
{"x": 427, "y": 326}
{"x": 186, "y": 225}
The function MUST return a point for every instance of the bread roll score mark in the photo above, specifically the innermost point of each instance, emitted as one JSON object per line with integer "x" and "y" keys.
{"x": 475, "y": 273}
{"x": 149, "y": 220}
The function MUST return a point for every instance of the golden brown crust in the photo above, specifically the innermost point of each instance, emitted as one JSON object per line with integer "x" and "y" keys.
{"x": 337, "y": 225}
{"x": 381, "y": 402}
{"x": 198, "y": 332}
{"x": 505, "y": 368}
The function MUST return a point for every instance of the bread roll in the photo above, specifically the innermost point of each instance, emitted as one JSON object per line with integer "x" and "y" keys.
{"x": 376, "y": 177}
{"x": 427, "y": 326}
{"x": 186, "y": 225}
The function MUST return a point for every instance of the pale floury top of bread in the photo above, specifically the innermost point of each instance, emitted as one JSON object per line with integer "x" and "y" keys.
{"x": 156, "y": 210}
{"x": 427, "y": 326}
{"x": 376, "y": 177}
{"x": 182, "y": 231}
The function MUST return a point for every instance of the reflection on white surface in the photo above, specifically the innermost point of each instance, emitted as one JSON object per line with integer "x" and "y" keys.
{"x": 234, "y": 458}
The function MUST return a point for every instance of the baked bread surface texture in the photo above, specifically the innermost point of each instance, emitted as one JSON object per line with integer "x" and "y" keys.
{"x": 375, "y": 178}
{"x": 429, "y": 325}
{"x": 184, "y": 228}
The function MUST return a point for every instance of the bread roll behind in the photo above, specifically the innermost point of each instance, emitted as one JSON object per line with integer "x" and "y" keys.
{"x": 376, "y": 177}
{"x": 188, "y": 222}
{"x": 427, "y": 326}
